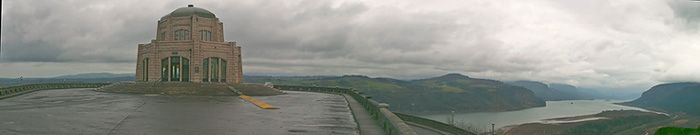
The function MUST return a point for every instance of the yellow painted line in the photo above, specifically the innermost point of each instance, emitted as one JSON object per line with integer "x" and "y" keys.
{"x": 259, "y": 103}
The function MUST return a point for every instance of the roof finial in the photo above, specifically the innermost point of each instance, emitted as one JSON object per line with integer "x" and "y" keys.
{"x": 190, "y": 5}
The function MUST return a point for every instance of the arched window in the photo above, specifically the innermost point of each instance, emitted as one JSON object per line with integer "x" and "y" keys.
{"x": 214, "y": 69}
{"x": 175, "y": 68}
{"x": 182, "y": 34}
{"x": 206, "y": 35}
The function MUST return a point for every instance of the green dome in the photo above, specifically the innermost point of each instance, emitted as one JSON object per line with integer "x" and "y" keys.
{"x": 191, "y": 10}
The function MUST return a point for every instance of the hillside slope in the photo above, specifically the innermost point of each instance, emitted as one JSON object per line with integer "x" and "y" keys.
{"x": 671, "y": 97}
{"x": 559, "y": 91}
{"x": 574, "y": 92}
{"x": 543, "y": 91}
{"x": 451, "y": 92}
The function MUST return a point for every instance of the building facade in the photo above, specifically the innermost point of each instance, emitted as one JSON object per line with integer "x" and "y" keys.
{"x": 189, "y": 47}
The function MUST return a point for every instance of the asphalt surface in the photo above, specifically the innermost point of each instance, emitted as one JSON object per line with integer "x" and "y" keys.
{"x": 83, "y": 111}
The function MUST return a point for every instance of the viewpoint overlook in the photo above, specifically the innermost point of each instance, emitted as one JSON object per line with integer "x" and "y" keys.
{"x": 337, "y": 67}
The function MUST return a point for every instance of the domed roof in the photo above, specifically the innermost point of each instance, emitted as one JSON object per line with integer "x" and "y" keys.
{"x": 191, "y": 10}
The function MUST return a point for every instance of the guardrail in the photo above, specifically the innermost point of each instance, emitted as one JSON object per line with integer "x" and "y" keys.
{"x": 434, "y": 124}
{"x": 391, "y": 124}
{"x": 6, "y": 92}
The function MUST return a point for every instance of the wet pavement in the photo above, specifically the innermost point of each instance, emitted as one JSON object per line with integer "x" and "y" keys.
{"x": 83, "y": 111}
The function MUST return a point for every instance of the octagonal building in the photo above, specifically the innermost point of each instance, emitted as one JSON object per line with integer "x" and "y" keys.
{"x": 189, "y": 47}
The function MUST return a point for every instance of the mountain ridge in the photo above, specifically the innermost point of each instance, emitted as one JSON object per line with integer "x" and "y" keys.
{"x": 441, "y": 94}
{"x": 93, "y": 75}
{"x": 682, "y": 97}
{"x": 553, "y": 91}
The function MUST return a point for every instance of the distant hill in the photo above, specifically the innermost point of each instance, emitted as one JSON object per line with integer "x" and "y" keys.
{"x": 93, "y": 75}
{"x": 566, "y": 88}
{"x": 543, "y": 91}
{"x": 586, "y": 93}
{"x": 451, "y": 92}
{"x": 558, "y": 91}
{"x": 672, "y": 97}
{"x": 82, "y": 78}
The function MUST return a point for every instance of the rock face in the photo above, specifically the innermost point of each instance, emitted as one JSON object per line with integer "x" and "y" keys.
{"x": 671, "y": 97}
{"x": 443, "y": 94}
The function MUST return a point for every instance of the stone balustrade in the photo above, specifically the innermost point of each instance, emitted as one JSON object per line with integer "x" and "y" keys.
{"x": 6, "y": 92}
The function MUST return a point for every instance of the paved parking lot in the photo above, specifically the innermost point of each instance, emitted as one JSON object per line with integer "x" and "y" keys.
{"x": 83, "y": 111}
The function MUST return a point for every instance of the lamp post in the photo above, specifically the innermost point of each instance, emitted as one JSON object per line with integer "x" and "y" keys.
{"x": 493, "y": 131}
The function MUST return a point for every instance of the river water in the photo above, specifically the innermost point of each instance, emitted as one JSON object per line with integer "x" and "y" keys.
{"x": 554, "y": 109}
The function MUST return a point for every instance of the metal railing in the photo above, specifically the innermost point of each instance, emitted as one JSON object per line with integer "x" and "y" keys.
{"x": 434, "y": 124}
{"x": 6, "y": 92}
{"x": 390, "y": 123}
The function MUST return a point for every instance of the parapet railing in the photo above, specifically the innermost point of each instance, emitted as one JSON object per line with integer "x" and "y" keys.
{"x": 6, "y": 92}
{"x": 434, "y": 124}
{"x": 390, "y": 123}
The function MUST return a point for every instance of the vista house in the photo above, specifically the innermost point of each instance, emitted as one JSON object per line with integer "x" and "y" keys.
{"x": 189, "y": 47}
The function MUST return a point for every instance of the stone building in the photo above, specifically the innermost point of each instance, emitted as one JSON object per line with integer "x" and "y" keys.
{"x": 189, "y": 47}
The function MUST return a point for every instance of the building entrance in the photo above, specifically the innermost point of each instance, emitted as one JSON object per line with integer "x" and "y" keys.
{"x": 175, "y": 68}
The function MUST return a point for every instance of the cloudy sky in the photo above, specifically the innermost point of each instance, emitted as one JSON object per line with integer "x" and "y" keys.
{"x": 592, "y": 43}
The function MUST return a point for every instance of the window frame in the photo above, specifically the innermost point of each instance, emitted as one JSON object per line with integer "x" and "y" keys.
{"x": 182, "y": 34}
{"x": 205, "y": 35}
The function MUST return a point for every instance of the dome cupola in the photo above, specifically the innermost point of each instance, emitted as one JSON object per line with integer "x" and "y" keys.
{"x": 191, "y": 10}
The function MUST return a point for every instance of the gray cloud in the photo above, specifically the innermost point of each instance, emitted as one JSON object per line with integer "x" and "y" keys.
{"x": 78, "y": 31}
{"x": 597, "y": 43}
{"x": 688, "y": 11}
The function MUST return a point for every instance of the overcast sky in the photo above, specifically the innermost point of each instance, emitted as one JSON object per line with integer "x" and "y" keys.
{"x": 592, "y": 43}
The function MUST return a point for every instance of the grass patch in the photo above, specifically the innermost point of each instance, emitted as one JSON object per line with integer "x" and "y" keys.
{"x": 677, "y": 131}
